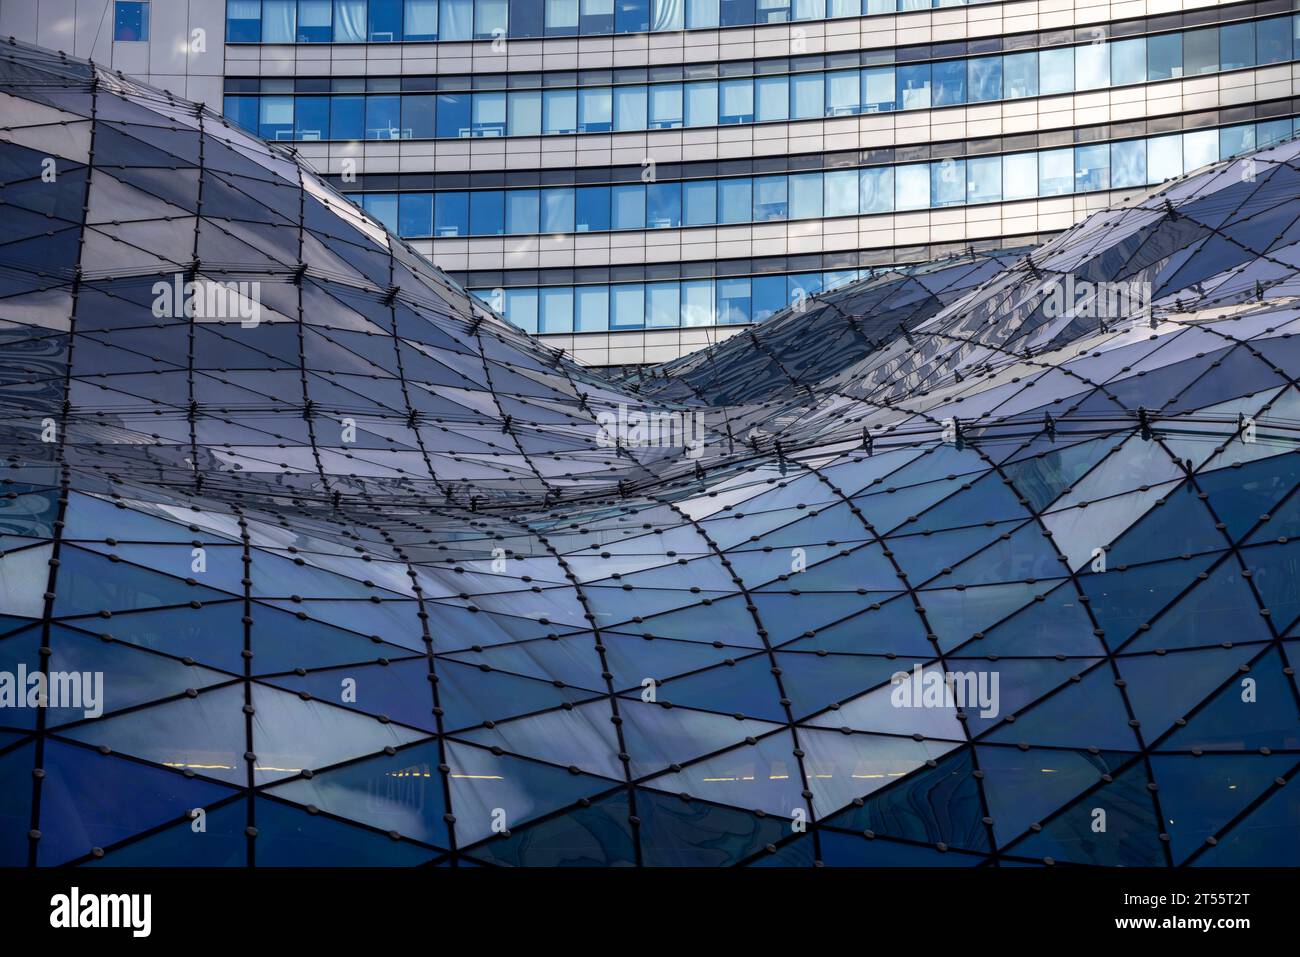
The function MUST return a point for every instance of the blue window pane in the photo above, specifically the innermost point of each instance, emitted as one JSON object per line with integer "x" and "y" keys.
{"x": 1055, "y": 172}
{"x": 1055, "y": 70}
{"x": 663, "y": 305}
{"x": 1091, "y": 168}
{"x": 592, "y": 209}
{"x": 595, "y": 110}
{"x": 912, "y": 186}
{"x": 561, "y": 18}
{"x": 734, "y": 13}
{"x": 772, "y": 98}
{"x": 767, "y": 296}
{"x": 733, "y": 301}
{"x": 275, "y": 118}
{"x": 243, "y": 21}
{"x": 1236, "y": 139}
{"x": 701, "y": 103}
{"x": 243, "y": 111}
{"x": 627, "y": 306}
{"x": 1165, "y": 56}
{"x": 418, "y": 116}
{"x": 913, "y": 86}
{"x": 555, "y": 309}
{"x": 350, "y": 21}
{"x": 984, "y": 76}
{"x": 1200, "y": 51}
{"x": 1273, "y": 41}
{"x": 1092, "y": 66}
{"x": 560, "y": 111}
{"x": 772, "y": 11}
{"x": 130, "y": 21}
{"x": 877, "y": 190}
{"x": 843, "y": 92}
{"x": 491, "y": 19}
{"x": 736, "y": 101}
{"x": 630, "y": 108}
{"x": 456, "y": 20}
{"x": 663, "y": 205}
{"x": 489, "y": 114}
{"x": 735, "y": 200}
{"x": 984, "y": 179}
{"x": 348, "y": 117}
{"x": 949, "y": 83}
{"x": 384, "y": 117}
{"x": 665, "y": 106}
{"x": 420, "y": 20}
{"x": 700, "y": 203}
{"x": 526, "y": 18}
{"x": 279, "y": 21}
{"x": 948, "y": 183}
{"x": 451, "y": 214}
{"x": 627, "y": 207}
{"x": 1273, "y": 131}
{"x": 557, "y": 209}
{"x": 453, "y": 114}
{"x": 415, "y": 215}
{"x": 487, "y": 212}
{"x": 591, "y": 308}
{"x": 521, "y": 308}
{"x": 1236, "y": 46}
{"x": 525, "y": 118}
{"x": 1020, "y": 75}
{"x": 382, "y": 206}
{"x": 697, "y": 303}
{"x": 1200, "y": 148}
{"x": 596, "y": 17}
{"x": 1019, "y": 176}
{"x": 805, "y": 195}
{"x": 1128, "y": 61}
{"x": 807, "y": 96}
{"x": 878, "y": 91}
{"x": 840, "y": 192}
{"x": 770, "y": 199}
{"x": 314, "y": 21}
{"x": 631, "y": 16}
{"x": 311, "y": 118}
{"x": 522, "y": 210}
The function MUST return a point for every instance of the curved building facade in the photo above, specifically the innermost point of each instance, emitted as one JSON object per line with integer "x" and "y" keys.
{"x": 635, "y": 179}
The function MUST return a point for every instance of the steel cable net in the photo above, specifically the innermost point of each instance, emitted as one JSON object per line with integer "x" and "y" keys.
{"x": 317, "y": 560}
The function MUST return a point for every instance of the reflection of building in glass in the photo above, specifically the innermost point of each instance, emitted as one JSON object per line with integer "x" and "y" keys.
{"x": 363, "y": 581}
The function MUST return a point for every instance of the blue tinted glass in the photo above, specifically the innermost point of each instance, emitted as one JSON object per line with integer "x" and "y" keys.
{"x": 1020, "y": 75}
{"x": 243, "y": 21}
{"x": 913, "y": 87}
{"x": 418, "y": 116}
{"x": 627, "y": 207}
{"x": 592, "y": 209}
{"x": 734, "y": 201}
{"x": 420, "y": 20}
{"x": 768, "y": 296}
{"x": 415, "y": 215}
{"x": 663, "y": 205}
{"x": 385, "y": 21}
{"x": 557, "y": 209}
{"x": 130, "y": 21}
{"x": 523, "y": 207}
{"x": 384, "y": 117}
{"x": 1236, "y": 46}
{"x": 242, "y": 111}
{"x": 451, "y": 214}
{"x": 949, "y": 83}
{"x": 1164, "y": 56}
{"x": 453, "y": 114}
{"x": 700, "y": 203}
{"x": 733, "y": 301}
{"x": 631, "y": 16}
{"x": 984, "y": 75}
{"x": 487, "y": 212}
{"x": 627, "y": 306}
{"x": 347, "y": 117}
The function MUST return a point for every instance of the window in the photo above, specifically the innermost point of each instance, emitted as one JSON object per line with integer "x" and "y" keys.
{"x": 663, "y": 205}
{"x": 984, "y": 179}
{"x": 1055, "y": 172}
{"x": 420, "y": 20}
{"x": 805, "y": 192}
{"x": 560, "y": 111}
{"x": 418, "y": 116}
{"x": 877, "y": 190}
{"x": 949, "y": 83}
{"x": 1236, "y": 46}
{"x": 767, "y": 296}
{"x": 1200, "y": 51}
{"x": 130, "y": 20}
{"x": 557, "y": 209}
{"x": 1165, "y": 57}
{"x": 948, "y": 183}
{"x": 697, "y": 303}
{"x": 384, "y": 118}
{"x": 489, "y": 114}
{"x": 735, "y": 200}
{"x": 275, "y": 118}
{"x": 700, "y": 203}
{"x": 770, "y": 199}
{"x": 525, "y": 112}
{"x": 702, "y": 13}
{"x": 591, "y": 308}
{"x": 487, "y": 212}
{"x": 663, "y": 305}
{"x": 456, "y": 20}
{"x": 1236, "y": 139}
{"x": 807, "y": 96}
{"x": 668, "y": 15}
{"x": 913, "y": 87}
{"x": 348, "y": 117}
{"x": 592, "y": 209}
{"x": 491, "y": 19}
{"x": 596, "y": 110}
{"x": 1020, "y": 75}
{"x": 385, "y": 21}
{"x": 311, "y": 118}
{"x": 596, "y": 16}
{"x": 878, "y": 89}
{"x": 631, "y": 16}
{"x": 1128, "y": 61}
{"x": 1200, "y": 149}
{"x": 843, "y": 88}
{"x": 912, "y": 186}
{"x": 627, "y": 207}
{"x": 1092, "y": 66}
{"x": 1164, "y": 157}
{"x": 733, "y": 301}
{"x": 521, "y": 308}
{"x": 627, "y": 306}
{"x": 561, "y": 18}
{"x": 736, "y": 101}
{"x": 350, "y": 21}
{"x": 840, "y": 193}
{"x": 1128, "y": 164}
{"x": 555, "y": 309}
{"x": 1019, "y": 176}
{"x": 415, "y": 214}
{"x": 1273, "y": 41}
{"x": 665, "y": 106}
{"x": 984, "y": 79}
{"x": 702, "y": 103}
{"x": 243, "y": 21}
{"x": 630, "y": 110}
{"x": 772, "y": 94}
{"x": 453, "y": 114}
{"x": 382, "y": 206}
{"x": 522, "y": 208}
{"x": 1092, "y": 168}
{"x": 1055, "y": 71}
{"x": 314, "y": 21}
